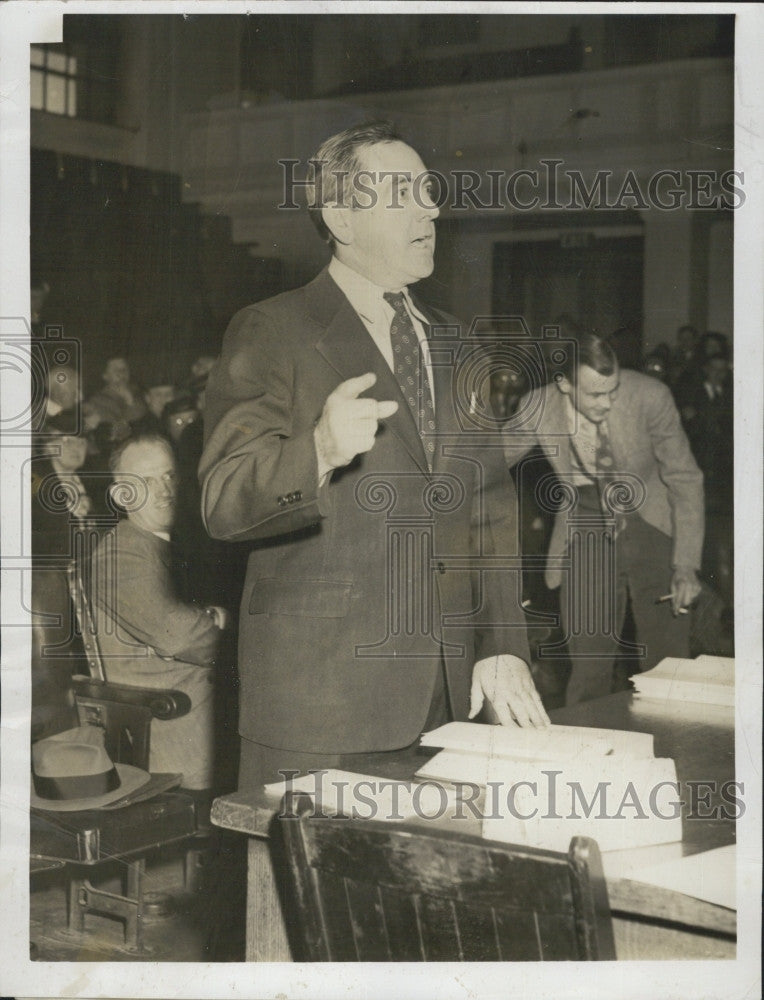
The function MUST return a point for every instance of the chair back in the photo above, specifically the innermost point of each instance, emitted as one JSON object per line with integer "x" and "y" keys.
{"x": 370, "y": 891}
{"x": 85, "y": 620}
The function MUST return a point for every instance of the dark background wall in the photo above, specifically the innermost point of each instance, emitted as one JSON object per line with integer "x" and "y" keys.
{"x": 132, "y": 270}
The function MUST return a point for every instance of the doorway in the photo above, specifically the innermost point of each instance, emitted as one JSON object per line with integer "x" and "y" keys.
{"x": 572, "y": 278}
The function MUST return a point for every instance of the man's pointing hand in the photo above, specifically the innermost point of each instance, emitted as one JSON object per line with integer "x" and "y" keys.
{"x": 348, "y": 424}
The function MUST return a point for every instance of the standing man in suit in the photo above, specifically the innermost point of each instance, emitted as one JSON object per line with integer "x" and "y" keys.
{"x": 334, "y": 446}
{"x": 615, "y": 440}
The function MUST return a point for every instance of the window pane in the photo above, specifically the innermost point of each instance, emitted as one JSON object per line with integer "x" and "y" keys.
{"x": 36, "y": 89}
{"x": 71, "y": 104}
{"x": 57, "y": 61}
{"x": 55, "y": 97}
{"x": 37, "y": 56}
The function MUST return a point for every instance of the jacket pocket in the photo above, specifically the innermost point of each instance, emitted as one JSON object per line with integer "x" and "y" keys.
{"x": 301, "y": 598}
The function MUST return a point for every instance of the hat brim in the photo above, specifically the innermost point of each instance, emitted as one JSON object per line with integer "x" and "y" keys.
{"x": 130, "y": 778}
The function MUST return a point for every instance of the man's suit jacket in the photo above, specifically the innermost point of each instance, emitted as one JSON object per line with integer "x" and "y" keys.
{"x": 647, "y": 441}
{"x": 150, "y": 638}
{"x": 352, "y": 586}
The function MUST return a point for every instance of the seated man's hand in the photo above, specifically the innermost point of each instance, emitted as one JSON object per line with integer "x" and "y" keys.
{"x": 505, "y": 682}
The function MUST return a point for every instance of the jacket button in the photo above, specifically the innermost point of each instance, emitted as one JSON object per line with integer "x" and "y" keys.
{"x": 282, "y": 501}
{"x": 441, "y": 568}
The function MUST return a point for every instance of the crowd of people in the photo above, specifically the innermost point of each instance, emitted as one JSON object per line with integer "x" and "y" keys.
{"x": 121, "y": 464}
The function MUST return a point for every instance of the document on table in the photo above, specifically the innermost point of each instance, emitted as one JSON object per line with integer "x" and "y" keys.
{"x": 706, "y": 680}
{"x": 551, "y": 743}
{"x": 544, "y": 786}
{"x": 709, "y": 875}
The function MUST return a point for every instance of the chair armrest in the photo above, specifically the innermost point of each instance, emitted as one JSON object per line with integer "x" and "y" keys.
{"x": 164, "y": 703}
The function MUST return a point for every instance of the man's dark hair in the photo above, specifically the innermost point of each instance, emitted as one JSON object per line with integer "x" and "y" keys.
{"x": 115, "y": 458}
{"x": 336, "y": 164}
{"x": 594, "y": 352}
{"x": 180, "y": 404}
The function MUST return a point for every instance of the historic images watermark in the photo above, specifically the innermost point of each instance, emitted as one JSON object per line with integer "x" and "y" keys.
{"x": 549, "y": 187}
{"x": 546, "y": 797}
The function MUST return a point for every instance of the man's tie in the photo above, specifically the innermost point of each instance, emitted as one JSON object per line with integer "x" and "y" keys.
{"x": 411, "y": 375}
{"x": 604, "y": 462}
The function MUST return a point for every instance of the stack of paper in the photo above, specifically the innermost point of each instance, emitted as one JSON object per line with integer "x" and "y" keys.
{"x": 544, "y": 786}
{"x": 706, "y": 680}
{"x": 469, "y": 746}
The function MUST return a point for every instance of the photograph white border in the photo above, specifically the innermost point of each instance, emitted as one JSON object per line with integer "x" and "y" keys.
{"x": 22, "y": 23}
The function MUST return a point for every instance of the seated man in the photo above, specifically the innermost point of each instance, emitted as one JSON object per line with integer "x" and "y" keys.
{"x": 148, "y": 636}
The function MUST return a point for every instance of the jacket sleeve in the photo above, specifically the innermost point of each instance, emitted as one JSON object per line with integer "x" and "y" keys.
{"x": 135, "y": 589}
{"x": 680, "y": 474}
{"x": 519, "y": 434}
{"x": 259, "y": 474}
{"x": 497, "y": 578}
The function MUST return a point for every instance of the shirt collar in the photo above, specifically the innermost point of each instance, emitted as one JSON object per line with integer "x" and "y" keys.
{"x": 365, "y": 296}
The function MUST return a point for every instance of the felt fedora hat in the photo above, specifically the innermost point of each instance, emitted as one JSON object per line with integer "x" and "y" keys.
{"x": 72, "y": 770}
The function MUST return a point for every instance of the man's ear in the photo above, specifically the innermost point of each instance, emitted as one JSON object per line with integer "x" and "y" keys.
{"x": 337, "y": 222}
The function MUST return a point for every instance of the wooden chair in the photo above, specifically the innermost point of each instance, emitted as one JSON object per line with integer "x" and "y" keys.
{"x": 370, "y": 891}
{"x": 85, "y": 841}
{"x": 124, "y": 711}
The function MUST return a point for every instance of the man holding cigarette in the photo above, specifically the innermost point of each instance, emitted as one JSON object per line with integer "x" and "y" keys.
{"x": 632, "y": 522}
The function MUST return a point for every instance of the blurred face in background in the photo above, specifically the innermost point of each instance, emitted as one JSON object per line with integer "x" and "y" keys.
{"x": 158, "y": 396}
{"x": 149, "y": 468}
{"x": 64, "y": 387}
{"x": 37, "y": 296}
{"x": 67, "y": 452}
{"x": 202, "y": 366}
{"x": 716, "y": 370}
{"x": 687, "y": 338}
{"x": 117, "y": 372}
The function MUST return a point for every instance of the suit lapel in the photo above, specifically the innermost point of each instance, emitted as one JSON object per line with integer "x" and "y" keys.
{"x": 557, "y": 427}
{"x": 347, "y": 346}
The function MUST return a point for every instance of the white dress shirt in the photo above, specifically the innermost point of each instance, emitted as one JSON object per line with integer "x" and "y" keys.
{"x": 377, "y": 314}
{"x": 583, "y": 435}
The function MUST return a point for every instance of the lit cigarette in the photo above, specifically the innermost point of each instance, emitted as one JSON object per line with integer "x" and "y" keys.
{"x": 667, "y": 597}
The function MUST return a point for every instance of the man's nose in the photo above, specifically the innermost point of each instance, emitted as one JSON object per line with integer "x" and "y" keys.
{"x": 431, "y": 209}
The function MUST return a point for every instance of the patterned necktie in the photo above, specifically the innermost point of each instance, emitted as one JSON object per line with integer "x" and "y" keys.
{"x": 410, "y": 373}
{"x": 606, "y": 478}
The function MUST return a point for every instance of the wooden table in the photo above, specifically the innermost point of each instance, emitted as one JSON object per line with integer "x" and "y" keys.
{"x": 649, "y": 922}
